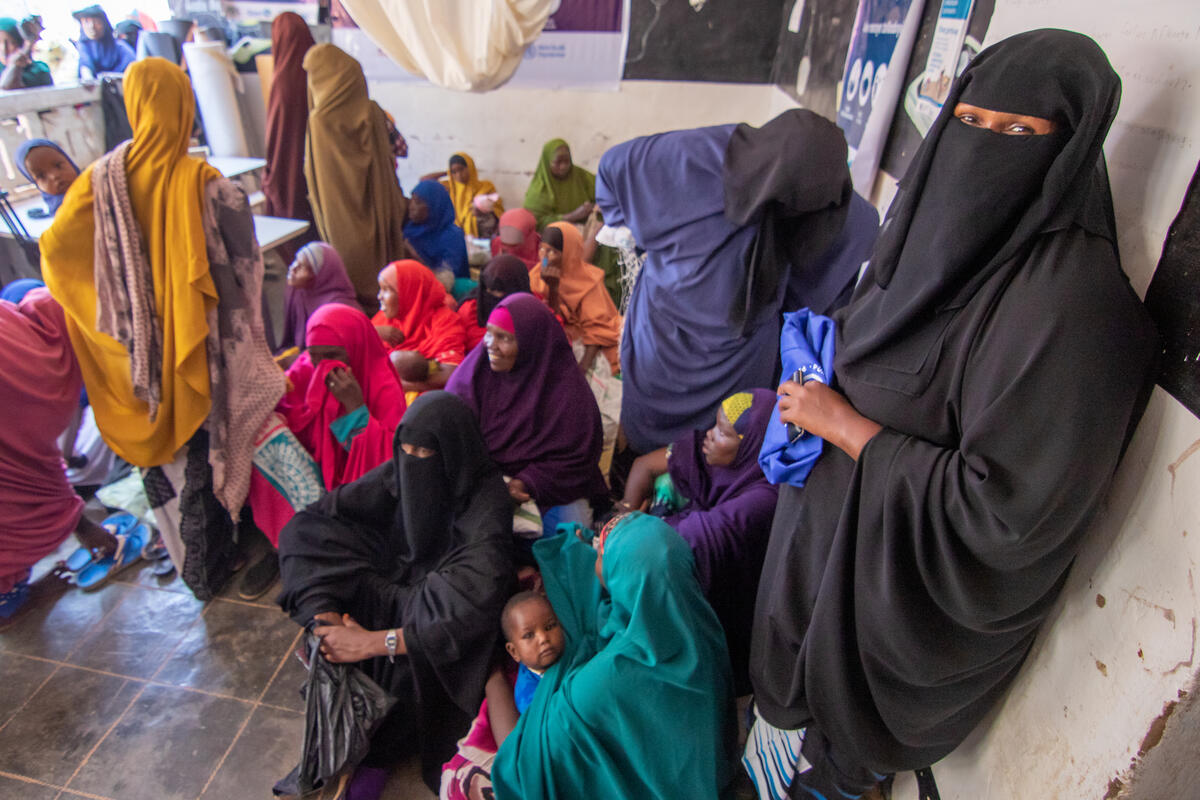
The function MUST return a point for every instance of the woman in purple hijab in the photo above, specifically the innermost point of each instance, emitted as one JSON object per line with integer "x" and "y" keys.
{"x": 708, "y": 486}
{"x": 316, "y": 277}
{"x": 539, "y": 418}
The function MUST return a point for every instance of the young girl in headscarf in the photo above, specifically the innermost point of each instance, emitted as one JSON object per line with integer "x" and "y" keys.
{"x": 709, "y": 487}
{"x": 503, "y": 275}
{"x": 316, "y": 277}
{"x": 464, "y": 186}
{"x": 432, "y": 232}
{"x": 425, "y": 338}
{"x": 990, "y": 370}
{"x": 49, "y": 168}
{"x": 99, "y": 50}
{"x": 518, "y": 236}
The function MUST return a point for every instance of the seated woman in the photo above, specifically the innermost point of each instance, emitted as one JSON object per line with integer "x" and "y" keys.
{"x": 432, "y": 232}
{"x": 575, "y": 291}
{"x": 406, "y": 571}
{"x": 463, "y": 184}
{"x": 563, "y": 191}
{"x": 503, "y": 275}
{"x": 49, "y": 168}
{"x": 539, "y": 419}
{"x": 39, "y": 386}
{"x": 99, "y": 50}
{"x": 640, "y": 703}
{"x": 518, "y": 236}
{"x": 991, "y": 367}
{"x": 711, "y": 489}
{"x": 316, "y": 277}
{"x": 425, "y": 339}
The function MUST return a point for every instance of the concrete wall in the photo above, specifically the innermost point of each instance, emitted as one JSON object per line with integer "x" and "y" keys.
{"x": 504, "y": 130}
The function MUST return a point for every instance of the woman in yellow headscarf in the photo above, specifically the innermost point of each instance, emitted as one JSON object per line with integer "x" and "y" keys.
{"x": 351, "y": 170}
{"x": 463, "y": 184}
{"x": 153, "y": 258}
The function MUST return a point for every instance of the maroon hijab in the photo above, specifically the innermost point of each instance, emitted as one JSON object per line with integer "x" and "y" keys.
{"x": 540, "y": 421}
{"x": 287, "y": 120}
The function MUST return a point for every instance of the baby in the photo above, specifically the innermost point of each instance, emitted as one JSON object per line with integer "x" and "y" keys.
{"x": 411, "y": 366}
{"x": 535, "y": 641}
{"x": 49, "y": 168}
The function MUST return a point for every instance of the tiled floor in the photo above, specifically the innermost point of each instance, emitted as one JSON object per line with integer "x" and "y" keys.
{"x": 140, "y": 692}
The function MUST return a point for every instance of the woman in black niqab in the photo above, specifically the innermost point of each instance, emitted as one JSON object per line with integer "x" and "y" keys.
{"x": 992, "y": 365}
{"x": 421, "y": 544}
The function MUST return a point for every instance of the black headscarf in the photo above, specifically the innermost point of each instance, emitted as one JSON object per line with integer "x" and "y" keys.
{"x": 790, "y": 179}
{"x": 947, "y": 232}
{"x": 504, "y": 273}
{"x": 1001, "y": 348}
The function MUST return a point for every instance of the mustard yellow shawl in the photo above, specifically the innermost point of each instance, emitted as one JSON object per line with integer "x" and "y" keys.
{"x": 166, "y": 190}
{"x": 463, "y": 196}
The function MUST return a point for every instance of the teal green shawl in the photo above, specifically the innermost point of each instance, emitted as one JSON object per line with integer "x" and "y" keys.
{"x": 640, "y": 704}
{"x": 548, "y": 198}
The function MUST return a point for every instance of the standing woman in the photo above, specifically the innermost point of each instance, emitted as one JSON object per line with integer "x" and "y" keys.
{"x": 287, "y": 121}
{"x": 991, "y": 368}
{"x": 350, "y": 170}
{"x": 153, "y": 258}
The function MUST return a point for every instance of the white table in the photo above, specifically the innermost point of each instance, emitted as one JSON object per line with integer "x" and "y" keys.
{"x": 232, "y": 166}
{"x": 270, "y": 231}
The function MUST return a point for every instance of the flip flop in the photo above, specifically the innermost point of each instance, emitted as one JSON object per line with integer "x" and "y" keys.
{"x": 129, "y": 551}
{"x": 117, "y": 524}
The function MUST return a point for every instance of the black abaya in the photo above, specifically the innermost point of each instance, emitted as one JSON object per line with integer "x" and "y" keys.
{"x": 901, "y": 592}
{"x": 422, "y": 544}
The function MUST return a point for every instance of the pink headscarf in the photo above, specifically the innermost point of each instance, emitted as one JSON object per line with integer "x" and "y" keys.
{"x": 39, "y": 381}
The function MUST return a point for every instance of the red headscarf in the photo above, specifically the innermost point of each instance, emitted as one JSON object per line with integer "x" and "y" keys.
{"x": 524, "y": 221}
{"x": 310, "y": 408}
{"x": 429, "y": 327}
{"x": 287, "y": 120}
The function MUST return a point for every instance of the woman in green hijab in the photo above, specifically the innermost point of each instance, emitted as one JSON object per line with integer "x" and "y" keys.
{"x": 564, "y": 191}
{"x": 640, "y": 704}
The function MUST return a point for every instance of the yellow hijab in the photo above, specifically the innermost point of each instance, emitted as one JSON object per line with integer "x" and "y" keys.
{"x": 166, "y": 190}
{"x": 463, "y": 196}
{"x": 351, "y": 170}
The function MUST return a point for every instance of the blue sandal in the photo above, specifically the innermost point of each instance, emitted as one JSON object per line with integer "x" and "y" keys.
{"x": 118, "y": 524}
{"x": 129, "y": 552}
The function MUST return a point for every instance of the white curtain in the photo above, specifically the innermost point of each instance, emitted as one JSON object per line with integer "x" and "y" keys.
{"x": 468, "y": 45}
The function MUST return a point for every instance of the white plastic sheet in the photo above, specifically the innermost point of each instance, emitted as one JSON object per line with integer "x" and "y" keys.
{"x": 218, "y": 90}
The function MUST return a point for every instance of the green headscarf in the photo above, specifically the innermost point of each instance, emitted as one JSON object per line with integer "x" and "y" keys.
{"x": 548, "y": 198}
{"x": 640, "y": 704}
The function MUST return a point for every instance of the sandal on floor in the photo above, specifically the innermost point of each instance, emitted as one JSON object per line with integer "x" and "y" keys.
{"x": 129, "y": 551}
{"x": 155, "y": 549}
{"x": 117, "y": 524}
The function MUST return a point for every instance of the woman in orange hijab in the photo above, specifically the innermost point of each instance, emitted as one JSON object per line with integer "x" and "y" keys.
{"x": 426, "y": 339}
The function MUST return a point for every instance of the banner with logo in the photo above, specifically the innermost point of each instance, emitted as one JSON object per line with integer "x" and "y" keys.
{"x": 582, "y": 46}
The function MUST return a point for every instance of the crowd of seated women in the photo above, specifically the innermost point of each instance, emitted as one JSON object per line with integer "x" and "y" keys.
{"x": 432, "y": 453}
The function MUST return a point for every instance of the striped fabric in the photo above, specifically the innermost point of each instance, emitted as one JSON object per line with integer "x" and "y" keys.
{"x": 772, "y": 758}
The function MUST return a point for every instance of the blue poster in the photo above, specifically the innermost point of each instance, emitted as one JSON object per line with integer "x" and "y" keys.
{"x": 877, "y": 29}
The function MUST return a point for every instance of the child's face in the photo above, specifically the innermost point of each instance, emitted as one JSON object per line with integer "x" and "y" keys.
{"x": 536, "y": 638}
{"x": 51, "y": 170}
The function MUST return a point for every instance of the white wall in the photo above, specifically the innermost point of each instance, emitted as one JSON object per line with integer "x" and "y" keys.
{"x": 504, "y": 130}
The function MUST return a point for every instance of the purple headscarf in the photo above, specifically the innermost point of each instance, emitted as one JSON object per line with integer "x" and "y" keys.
{"x": 707, "y": 486}
{"x": 540, "y": 420}
{"x": 331, "y": 285}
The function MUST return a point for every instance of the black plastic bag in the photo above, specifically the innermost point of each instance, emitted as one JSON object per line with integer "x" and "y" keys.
{"x": 342, "y": 708}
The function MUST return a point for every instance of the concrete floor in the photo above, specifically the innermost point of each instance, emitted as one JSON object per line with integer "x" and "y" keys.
{"x": 138, "y": 691}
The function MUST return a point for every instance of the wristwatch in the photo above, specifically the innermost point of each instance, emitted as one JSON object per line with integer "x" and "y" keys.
{"x": 391, "y": 640}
